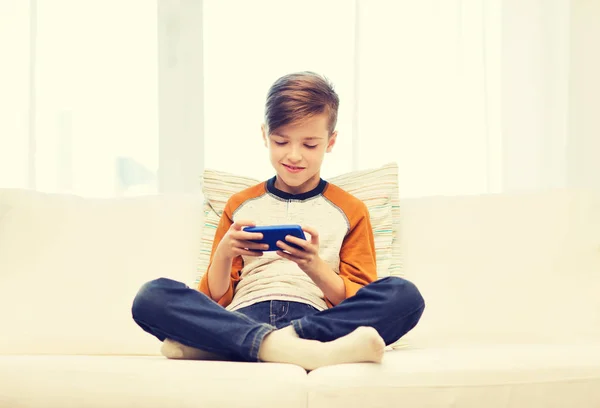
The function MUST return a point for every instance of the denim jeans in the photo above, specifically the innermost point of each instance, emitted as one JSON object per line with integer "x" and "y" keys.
{"x": 169, "y": 309}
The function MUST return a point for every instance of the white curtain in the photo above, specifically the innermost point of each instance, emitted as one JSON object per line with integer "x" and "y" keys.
{"x": 89, "y": 124}
{"x": 415, "y": 81}
{"x": 427, "y": 86}
{"x": 467, "y": 97}
{"x": 247, "y": 46}
{"x": 535, "y": 92}
{"x": 14, "y": 93}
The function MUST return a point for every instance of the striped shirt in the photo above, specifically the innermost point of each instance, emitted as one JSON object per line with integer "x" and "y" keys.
{"x": 346, "y": 244}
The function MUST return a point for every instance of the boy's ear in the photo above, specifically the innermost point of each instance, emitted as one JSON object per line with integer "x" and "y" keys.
{"x": 331, "y": 141}
{"x": 264, "y": 134}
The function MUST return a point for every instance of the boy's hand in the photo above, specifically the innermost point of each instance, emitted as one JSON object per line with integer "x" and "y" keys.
{"x": 306, "y": 258}
{"x": 238, "y": 242}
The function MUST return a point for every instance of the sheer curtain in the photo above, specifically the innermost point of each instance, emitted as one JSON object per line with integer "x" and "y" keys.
{"x": 467, "y": 97}
{"x": 14, "y": 93}
{"x": 247, "y": 46}
{"x": 414, "y": 81}
{"x": 428, "y": 86}
{"x": 96, "y": 95}
{"x": 89, "y": 126}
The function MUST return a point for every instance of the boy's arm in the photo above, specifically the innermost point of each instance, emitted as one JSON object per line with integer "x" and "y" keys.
{"x": 358, "y": 266}
{"x": 222, "y": 275}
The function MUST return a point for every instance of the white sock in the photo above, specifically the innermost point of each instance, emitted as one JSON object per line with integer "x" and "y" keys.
{"x": 175, "y": 350}
{"x": 284, "y": 346}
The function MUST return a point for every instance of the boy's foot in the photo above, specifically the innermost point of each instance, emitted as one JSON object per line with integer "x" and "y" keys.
{"x": 284, "y": 346}
{"x": 175, "y": 350}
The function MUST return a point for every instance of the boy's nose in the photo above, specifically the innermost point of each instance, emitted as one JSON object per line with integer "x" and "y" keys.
{"x": 294, "y": 155}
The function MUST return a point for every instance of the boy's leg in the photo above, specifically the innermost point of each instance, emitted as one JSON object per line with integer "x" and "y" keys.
{"x": 172, "y": 311}
{"x": 277, "y": 313}
{"x": 356, "y": 330}
{"x": 392, "y": 306}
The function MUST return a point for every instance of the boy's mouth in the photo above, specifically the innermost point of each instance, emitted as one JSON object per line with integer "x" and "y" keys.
{"x": 293, "y": 169}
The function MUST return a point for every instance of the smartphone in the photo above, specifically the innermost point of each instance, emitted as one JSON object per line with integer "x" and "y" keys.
{"x": 274, "y": 233}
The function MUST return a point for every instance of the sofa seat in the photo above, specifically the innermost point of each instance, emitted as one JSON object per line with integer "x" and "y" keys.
{"x": 70, "y": 381}
{"x": 505, "y": 376}
{"x": 490, "y": 376}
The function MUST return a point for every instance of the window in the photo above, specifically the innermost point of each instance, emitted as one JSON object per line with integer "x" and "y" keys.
{"x": 419, "y": 84}
{"x": 95, "y": 99}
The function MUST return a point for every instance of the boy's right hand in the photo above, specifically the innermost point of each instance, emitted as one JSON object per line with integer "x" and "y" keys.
{"x": 238, "y": 242}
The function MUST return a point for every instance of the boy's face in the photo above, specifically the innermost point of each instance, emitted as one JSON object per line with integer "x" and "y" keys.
{"x": 297, "y": 151}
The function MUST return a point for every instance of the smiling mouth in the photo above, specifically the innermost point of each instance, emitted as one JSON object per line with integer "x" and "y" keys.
{"x": 293, "y": 167}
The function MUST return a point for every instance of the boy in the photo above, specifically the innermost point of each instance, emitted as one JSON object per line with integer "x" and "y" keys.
{"x": 314, "y": 306}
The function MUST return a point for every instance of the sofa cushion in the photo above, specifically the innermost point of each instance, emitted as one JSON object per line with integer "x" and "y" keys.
{"x": 70, "y": 268}
{"x": 505, "y": 268}
{"x": 488, "y": 376}
{"x": 377, "y": 188}
{"x": 4, "y": 208}
{"x": 151, "y": 382}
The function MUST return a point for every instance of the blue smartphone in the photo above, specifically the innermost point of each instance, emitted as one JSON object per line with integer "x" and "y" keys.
{"x": 274, "y": 233}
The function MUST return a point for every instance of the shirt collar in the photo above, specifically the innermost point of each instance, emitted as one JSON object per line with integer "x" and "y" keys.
{"x": 288, "y": 196}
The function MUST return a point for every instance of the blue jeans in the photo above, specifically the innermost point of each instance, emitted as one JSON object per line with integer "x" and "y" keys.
{"x": 169, "y": 309}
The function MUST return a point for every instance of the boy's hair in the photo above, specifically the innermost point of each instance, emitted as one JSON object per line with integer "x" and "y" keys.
{"x": 298, "y": 96}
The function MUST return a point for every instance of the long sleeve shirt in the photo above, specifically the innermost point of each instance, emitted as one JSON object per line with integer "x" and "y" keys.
{"x": 346, "y": 244}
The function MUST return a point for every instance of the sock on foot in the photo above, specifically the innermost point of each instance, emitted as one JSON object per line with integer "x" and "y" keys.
{"x": 175, "y": 350}
{"x": 284, "y": 346}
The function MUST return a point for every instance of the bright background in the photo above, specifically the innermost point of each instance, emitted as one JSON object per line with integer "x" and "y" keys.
{"x": 126, "y": 97}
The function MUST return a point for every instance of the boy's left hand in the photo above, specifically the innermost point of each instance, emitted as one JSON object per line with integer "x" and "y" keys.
{"x": 306, "y": 258}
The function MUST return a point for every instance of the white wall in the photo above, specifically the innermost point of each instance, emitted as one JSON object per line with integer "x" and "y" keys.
{"x": 584, "y": 113}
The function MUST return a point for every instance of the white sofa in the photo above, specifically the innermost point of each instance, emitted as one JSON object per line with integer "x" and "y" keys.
{"x": 511, "y": 281}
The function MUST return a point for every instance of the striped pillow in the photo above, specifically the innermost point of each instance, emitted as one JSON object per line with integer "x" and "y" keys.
{"x": 377, "y": 188}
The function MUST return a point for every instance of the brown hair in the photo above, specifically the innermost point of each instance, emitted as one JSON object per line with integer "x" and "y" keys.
{"x": 298, "y": 96}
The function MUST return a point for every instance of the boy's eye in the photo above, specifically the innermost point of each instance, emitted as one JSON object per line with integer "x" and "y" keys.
{"x": 311, "y": 146}
{"x": 280, "y": 143}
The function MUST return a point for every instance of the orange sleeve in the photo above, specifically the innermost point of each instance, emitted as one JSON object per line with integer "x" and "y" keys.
{"x": 358, "y": 265}
{"x": 237, "y": 264}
